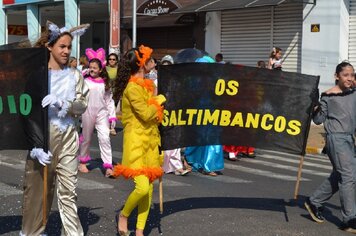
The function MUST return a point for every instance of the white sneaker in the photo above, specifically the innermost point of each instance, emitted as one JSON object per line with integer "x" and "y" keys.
{"x": 232, "y": 156}
{"x": 181, "y": 173}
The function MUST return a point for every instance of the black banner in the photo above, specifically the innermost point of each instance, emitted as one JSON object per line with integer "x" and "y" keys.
{"x": 210, "y": 103}
{"x": 23, "y": 84}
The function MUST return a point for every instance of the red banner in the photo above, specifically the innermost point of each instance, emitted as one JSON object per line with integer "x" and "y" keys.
{"x": 114, "y": 23}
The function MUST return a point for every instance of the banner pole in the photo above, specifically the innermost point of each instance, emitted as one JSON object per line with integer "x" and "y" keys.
{"x": 296, "y": 190}
{"x": 160, "y": 195}
{"x": 45, "y": 148}
{"x": 44, "y": 207}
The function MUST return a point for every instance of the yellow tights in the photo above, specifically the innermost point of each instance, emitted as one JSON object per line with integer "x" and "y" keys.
{"x": 141, "y": 196}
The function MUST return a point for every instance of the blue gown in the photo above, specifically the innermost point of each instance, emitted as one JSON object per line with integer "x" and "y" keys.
{"x": 209, "y": 158}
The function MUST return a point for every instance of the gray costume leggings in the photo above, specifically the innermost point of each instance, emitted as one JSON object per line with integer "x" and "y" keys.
{"x": 341, "y": 152}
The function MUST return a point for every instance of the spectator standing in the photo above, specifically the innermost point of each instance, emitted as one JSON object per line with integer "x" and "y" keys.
{"x": 152, "y": 75}
{"x": 261, "y": 64}
{"x": 275, "y": 59}
{"x": 172, "y": 158}
{"x": 72, "y": 63}
{"x": 112, "y": 68}
{"x": 219, "y": 58}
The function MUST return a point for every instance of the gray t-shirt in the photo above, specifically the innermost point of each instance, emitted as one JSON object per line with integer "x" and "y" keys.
{"x": 337, "y": 112}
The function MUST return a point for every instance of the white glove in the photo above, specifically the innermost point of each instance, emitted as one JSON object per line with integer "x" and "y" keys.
{"x": 113, "y": 124}
{"x": 51, "y": 99}
{"x": 42, "y": 157}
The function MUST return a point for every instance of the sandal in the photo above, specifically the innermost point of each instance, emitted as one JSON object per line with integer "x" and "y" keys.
{"x": 187, "y": 166}
{"x": 181, "y": 172}
{"x": 211, "y": 173}
{"x": 121, "y": 232}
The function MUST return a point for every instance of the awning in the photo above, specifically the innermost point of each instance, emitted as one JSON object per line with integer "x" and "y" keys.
{"x": 220, "y": 5}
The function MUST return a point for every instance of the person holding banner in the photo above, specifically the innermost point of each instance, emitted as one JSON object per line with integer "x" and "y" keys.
{"x": 207, "y": 159}
{"x": 337, "y": 110}
{"x": 59, "y": 165}
{"x": 100, "y": 113}
{"x": 173, "y": 162}
{"x": 142, "y": 112}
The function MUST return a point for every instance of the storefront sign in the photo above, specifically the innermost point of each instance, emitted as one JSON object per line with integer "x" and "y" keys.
{"x": 187, "y": 19}
{"x": 17, "y": 29}
{"x": 157, "y": 7}
{"x": 315, "y": 28}
{"x": 12, "y": 2}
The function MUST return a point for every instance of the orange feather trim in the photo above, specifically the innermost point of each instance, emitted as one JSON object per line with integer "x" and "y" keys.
{"x": 159, "y": 108}
{"x": 146, "y": 55}
{"x": 146, "y": 83}
{"x": 152, "y": 173}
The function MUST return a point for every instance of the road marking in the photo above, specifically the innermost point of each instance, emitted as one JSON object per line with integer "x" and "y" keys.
{"x": 172, "y": 183}
{"x": 297, "y": 157}
{"x": 285, "y": 167}
{"x": 20, "y": 166}
{"x": 222, "y": 178}
{"x": 13, "y": 162}
{"x": 7, "y": 190}
{"x": 87, "y": 184}
{"x": 306, "y": 162}
{"x": 266, "y": 173}
{"x": 116, "y": 154}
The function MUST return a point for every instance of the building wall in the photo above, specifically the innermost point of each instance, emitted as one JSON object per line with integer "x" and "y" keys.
{"x": 213, "y": 33}
{"x": 322, "y": 51}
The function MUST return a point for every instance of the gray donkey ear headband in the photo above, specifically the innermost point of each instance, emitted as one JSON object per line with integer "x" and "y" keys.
{"x": 55, "y": 31}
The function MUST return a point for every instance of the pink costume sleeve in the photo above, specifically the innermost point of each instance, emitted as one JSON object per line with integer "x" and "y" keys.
{"x": 110, "y": 105}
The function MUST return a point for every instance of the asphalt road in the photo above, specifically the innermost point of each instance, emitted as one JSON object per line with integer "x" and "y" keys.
{"x": 251, "y": 197}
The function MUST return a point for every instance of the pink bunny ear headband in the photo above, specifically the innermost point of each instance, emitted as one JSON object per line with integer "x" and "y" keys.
{"x": 98, "y": 54}
{"x": 55, "y": 31}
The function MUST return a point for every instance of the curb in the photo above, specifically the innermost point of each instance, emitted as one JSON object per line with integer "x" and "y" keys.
{"x": 313, "y": 150}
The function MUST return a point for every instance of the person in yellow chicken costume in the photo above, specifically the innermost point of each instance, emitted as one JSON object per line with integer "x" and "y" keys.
{"x": 142, "y": 112}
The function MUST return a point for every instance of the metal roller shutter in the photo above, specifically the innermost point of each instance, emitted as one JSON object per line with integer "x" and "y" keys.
{"x": 352, "y": 33}
{"x": 245, "y": 35}
{"x": 287, "y": 34}
{"x": 248, "y": 35}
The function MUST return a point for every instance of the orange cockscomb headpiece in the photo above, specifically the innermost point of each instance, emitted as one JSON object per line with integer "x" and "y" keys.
{"x": 146, "y": 54}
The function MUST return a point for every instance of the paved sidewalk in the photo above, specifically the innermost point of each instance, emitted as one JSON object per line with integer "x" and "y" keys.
{"x": 316, "y": 139}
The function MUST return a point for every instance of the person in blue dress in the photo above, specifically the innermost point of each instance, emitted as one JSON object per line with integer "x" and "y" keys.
{"x": 206, "y": 159}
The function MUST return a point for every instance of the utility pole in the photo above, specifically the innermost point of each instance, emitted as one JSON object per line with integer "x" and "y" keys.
{"x": 134, "y": 23}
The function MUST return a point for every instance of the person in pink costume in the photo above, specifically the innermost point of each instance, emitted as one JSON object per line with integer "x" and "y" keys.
{"x": 173, "y": 162}
{"x": 100, "y": 113}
